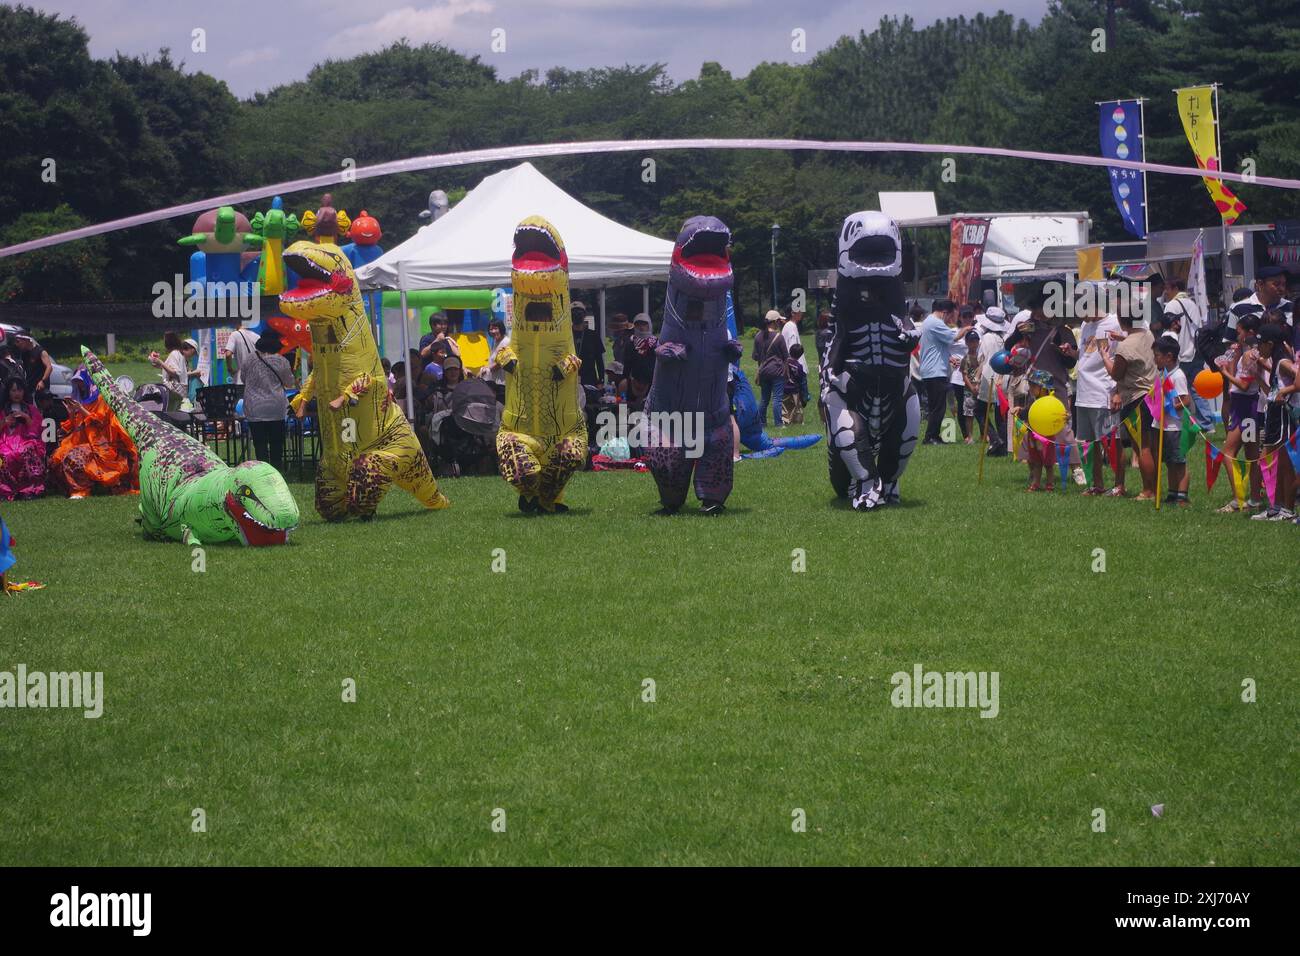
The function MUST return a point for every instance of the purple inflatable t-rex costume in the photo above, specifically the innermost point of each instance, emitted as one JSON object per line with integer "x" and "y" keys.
{"x": 689, "y": 413}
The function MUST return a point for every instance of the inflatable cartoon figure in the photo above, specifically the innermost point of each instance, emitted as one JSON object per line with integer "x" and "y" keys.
{"x": 871, "y": 409}
{"x": 362, "y": 250}
{"x": 272, "y": 229}
{"x": 189, "y": 494}
{"x": 692, "y": 353}
{"x": 220, "y": 235}
{"x": 367, "y": 442}
{"x": 543, "y": 437}
{"x": 326, "y": 224}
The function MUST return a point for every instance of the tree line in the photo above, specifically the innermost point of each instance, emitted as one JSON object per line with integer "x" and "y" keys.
{"x": 133, "y": 133}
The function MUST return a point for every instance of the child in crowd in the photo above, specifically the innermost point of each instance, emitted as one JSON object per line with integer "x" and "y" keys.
{"x": 1039, "y": 457}
{"x": 796, "y": 382}
{"x": 1240, "y": 365}
{"x": 970, "y": 368}
{"x": 1281, "y": 419}
{"x": 1277, "y": 365}
{"x": 1167, "y": 370}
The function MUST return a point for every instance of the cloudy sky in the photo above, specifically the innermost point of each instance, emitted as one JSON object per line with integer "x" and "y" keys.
{"x": 257, "y": 44}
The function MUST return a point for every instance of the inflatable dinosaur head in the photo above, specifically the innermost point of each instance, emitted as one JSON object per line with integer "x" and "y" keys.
{"x": 701, "y": 263}
{"x": 218, "y": 230}
{"x": 260, "y": 504}
{"x": 365, "y": 230}
{"x": 539, "y": 265}
{"x": 274, "y": 224}
{"x": 870, "y": 245}
{"x": 327, "y": 286}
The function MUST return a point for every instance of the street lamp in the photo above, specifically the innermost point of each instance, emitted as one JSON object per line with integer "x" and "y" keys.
{"x": 776, "y": 231}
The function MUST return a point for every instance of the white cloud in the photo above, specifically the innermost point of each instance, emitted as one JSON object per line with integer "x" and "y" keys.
{"x": 419, "y": 25}
{"x": 262, "y": 54}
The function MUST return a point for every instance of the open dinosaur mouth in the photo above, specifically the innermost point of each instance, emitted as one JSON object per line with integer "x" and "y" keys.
{"x": 536, "y": 251}
{"x": 252, "y": 532}
{"x": 704, "y": 255}
{"x": 873, "y": 252}
{"x": 314, "y": 280}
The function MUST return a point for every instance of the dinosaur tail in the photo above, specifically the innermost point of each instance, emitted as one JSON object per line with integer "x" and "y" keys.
{"x": 797, "y": 441}
{"x": 143, "y": 426}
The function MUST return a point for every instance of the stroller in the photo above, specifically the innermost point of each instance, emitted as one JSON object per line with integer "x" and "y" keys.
{"x": 463, "y": 438}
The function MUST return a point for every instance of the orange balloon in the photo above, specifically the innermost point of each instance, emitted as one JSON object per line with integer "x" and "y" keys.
{"x": 1208, "y": 384}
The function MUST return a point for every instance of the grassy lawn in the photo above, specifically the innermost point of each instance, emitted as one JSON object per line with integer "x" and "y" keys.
{"x": 522, "y": 690}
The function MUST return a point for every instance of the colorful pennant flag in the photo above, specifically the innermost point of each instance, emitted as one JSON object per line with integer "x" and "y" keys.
{"x": 1111, "y": 444}
{"x": 1239, "y": 472}
{"x": 1134, "y": 425}
{"x": 1213, "y": 462}
{"x": 1268, "y": 472}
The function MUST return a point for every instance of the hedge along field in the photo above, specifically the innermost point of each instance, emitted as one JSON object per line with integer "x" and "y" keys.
{"x": 520, "y": 696}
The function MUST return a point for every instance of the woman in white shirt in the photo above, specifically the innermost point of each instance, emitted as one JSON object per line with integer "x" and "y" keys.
{"x": 176, "y": 371}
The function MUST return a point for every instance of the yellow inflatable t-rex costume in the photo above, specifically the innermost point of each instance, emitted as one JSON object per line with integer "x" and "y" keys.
{"x": 366, "y": 441}
{"x": 543, "y": 437}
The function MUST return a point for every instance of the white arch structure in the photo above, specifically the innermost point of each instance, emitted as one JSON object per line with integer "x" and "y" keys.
{"x": 505, "y": 153}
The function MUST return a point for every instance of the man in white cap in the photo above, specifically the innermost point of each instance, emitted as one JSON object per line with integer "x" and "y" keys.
{"x": 239, "y": 347}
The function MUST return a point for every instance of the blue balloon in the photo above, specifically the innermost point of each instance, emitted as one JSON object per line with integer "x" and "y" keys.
{"x": 1001, "y": 363}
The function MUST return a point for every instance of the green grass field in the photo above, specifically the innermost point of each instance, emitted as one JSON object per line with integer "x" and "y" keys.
{"x": 522, "y": 690}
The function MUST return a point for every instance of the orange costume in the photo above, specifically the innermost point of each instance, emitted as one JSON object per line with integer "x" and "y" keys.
{"x": 97, "y": 451}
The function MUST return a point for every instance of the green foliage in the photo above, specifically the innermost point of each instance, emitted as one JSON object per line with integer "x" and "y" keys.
{"x": 72, "y": 272}
{"x": 133, "y": 133}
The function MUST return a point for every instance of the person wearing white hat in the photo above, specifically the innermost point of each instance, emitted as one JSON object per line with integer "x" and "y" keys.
{"x": 175, "y": 369}
{"x": 992, "y": 327}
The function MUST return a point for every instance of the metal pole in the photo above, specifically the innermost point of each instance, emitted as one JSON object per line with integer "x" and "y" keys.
{"x": 1218, "y": 145}
{"x": 406, "y": 343}
{"x": 601, "y": 300}
{"x": 1142, "y": 137}
{"x": 645, "y": 298}
{"x": 775, "y": 227}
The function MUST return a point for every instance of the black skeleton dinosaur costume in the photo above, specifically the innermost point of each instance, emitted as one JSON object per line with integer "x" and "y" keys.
{"x": 872, "y": 412}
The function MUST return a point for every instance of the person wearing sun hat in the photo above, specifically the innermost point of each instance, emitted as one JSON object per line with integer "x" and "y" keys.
{"x": 772, "y": 368}
{"x": 992, "y": 327}
{"x": 175, "y": 369}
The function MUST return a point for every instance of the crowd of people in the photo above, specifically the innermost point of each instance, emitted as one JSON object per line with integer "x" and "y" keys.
{"x": 1104, "y": 366}
{"x": 25, "y": 370}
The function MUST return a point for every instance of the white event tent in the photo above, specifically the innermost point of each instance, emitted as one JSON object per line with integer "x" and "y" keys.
{"x": 470, "y": 246}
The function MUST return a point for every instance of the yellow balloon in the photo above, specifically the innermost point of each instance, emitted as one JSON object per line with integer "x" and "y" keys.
{"x": 1047, "y": 416}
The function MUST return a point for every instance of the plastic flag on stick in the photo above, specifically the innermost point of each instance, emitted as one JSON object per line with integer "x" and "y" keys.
{"x": 1187, "y": 433}
{"x": 1153, "y": 404}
